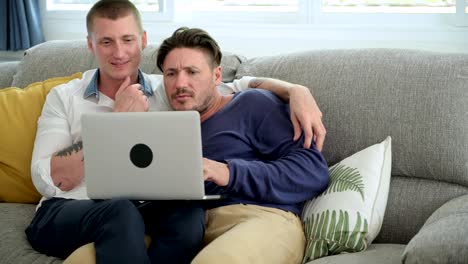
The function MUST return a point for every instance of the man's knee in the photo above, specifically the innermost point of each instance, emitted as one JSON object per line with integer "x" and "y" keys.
{"x": 122, "y": 214}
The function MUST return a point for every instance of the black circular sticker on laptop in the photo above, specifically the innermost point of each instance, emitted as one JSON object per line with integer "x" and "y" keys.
{"x": 141, "y": 155}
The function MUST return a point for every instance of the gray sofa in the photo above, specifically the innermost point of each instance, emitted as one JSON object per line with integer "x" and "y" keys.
{"x": 418, "y": 98}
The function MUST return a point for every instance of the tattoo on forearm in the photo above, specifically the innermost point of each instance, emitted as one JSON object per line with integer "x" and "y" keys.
{"x": 69, "y": 150}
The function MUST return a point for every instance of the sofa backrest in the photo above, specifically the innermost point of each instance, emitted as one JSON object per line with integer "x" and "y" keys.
{"x": 7, "y": 71}
{"x": 64, "y": 57}
{"x": 418, "y": 98}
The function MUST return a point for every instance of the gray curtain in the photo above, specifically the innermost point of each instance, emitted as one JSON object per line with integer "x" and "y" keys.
{"x": 20, "y": 24}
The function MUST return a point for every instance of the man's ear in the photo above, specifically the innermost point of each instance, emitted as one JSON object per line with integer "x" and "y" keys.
{"x": 218, "y": 74}
{"x": 144, "y": 40}
{"x": 90, "y": 44}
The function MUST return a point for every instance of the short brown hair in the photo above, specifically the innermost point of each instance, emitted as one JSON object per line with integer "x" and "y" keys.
{"x": 185, "y": 37}
{"x": 112, "y": 9}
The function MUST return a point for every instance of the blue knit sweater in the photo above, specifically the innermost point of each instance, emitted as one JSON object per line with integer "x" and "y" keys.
{"x": 253, "y": 135}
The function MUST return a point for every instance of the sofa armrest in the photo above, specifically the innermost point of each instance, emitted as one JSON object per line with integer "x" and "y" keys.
{"x": 7, "y": 71}
{"x": 14, "y": 246}
{"x": 444, "y": 236}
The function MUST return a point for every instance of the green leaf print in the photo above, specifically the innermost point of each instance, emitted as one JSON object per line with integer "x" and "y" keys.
{"x": 329, "y": 233}
{"x": 344, "y": 178}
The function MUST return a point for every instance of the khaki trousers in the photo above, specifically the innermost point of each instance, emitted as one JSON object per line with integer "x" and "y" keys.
{"x": 251, "y": 234}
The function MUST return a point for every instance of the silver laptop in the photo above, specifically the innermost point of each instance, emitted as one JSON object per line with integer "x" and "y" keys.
{"x": 143, "y": 156}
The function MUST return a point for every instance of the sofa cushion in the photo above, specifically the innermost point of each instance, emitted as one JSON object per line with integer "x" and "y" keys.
{"x": 375, "y": 254}
{"x": 444, "y": 236}
{"x": 19, "y": 111}
{"x": 402, "y": 218}
{"x": 14, "y": 247}
{"x": 348, "y": 215}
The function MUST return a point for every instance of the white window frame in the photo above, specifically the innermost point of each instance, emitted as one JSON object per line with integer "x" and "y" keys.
{"x": 462, "y": 13}
{"x": 257, "y": 16}
{"x": 166, "y": 13}
{"x": 309, "y": 29}
{"x": 310, "y": 13}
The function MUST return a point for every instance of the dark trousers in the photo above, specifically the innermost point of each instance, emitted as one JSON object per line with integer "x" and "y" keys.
{"x": 117, "y": 227}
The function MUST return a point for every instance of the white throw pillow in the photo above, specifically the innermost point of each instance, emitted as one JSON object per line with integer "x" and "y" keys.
{"x": 348, "y": 215}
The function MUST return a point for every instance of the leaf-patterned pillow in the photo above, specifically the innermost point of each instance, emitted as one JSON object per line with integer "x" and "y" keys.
{"x": 348, "y": 215}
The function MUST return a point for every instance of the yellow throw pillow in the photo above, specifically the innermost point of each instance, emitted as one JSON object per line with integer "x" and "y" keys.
{"x": 19, "y": 111}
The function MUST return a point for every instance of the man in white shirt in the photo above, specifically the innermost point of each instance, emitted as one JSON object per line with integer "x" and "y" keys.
{"x": 66, "y": 218}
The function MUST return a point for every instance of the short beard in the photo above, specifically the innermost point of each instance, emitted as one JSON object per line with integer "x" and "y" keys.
{"x": 205, "y": 105}
{"x": 202, "y": 108}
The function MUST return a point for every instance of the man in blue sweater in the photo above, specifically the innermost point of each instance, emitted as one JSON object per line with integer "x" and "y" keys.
{"x": 248, "y": 156}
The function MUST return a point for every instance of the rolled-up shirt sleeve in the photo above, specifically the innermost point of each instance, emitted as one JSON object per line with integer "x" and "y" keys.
{"x": 239, "y": 85}
{"x": 53, "y": 134}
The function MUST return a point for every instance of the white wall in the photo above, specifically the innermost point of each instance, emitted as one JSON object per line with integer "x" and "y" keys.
{"x": 261, "y": 40}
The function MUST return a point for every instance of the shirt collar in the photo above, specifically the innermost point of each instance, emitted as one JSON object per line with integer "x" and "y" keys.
{"x": 92, "y": 88}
